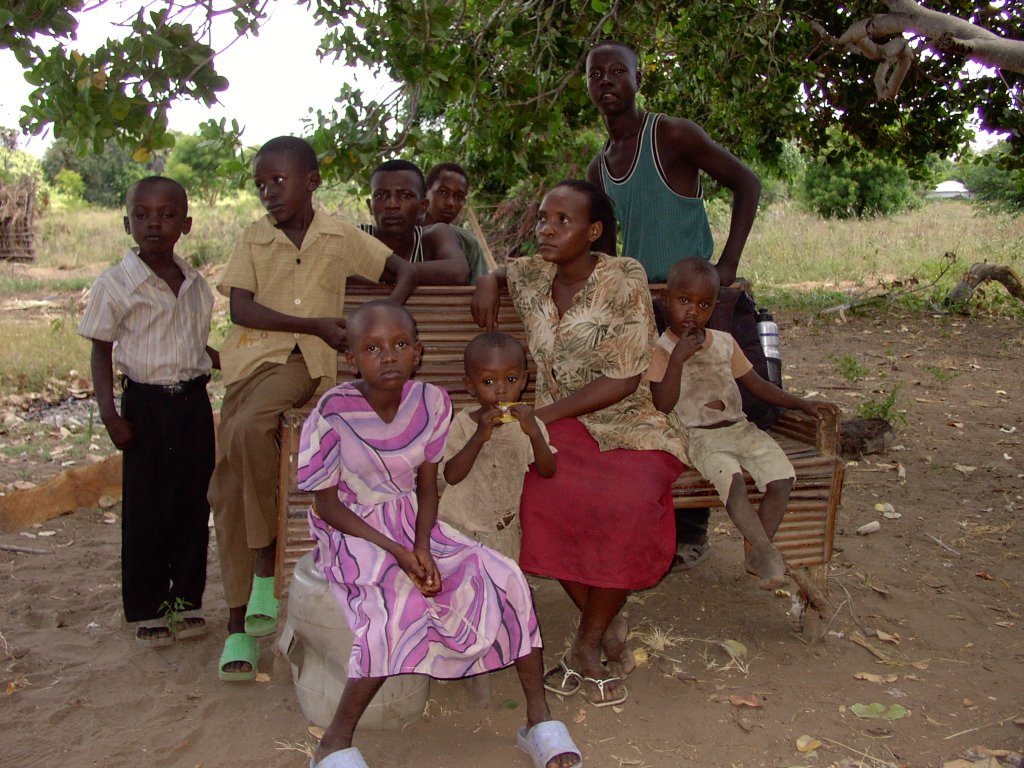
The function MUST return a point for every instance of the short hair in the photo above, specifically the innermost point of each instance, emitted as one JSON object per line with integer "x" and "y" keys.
{"x": 489, "y": 340}
{"x": 157, "y": 181}
{"x": 435, "y": 173}
{"x": 401, "y": 165}
{"x": 617, "y": 44}
{"x": 356, "y": 314}
{"x": 693, "y": 267}
{"x": 601, "y": 208}
{"x": 300, "y": 149}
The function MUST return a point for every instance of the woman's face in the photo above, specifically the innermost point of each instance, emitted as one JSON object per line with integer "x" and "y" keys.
{"x": 564, "y": 230}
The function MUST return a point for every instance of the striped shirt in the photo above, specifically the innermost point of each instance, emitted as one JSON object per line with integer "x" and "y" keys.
{"x": 159, "y": 338}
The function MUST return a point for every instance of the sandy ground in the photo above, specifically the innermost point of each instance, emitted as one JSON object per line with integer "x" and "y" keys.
{"x": 936, "y": 594}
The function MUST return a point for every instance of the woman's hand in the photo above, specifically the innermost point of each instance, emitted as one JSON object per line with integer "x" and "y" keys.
{"x": 486, "y": 302}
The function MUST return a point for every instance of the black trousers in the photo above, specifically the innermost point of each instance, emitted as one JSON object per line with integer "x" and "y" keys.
{"x": 164, "y": 512}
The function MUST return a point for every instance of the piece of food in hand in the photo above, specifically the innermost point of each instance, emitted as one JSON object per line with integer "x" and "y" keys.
{"x": 506, "y": 416}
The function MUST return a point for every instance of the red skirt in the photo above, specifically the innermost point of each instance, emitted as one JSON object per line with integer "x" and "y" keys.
{"x": 605, "y": 518}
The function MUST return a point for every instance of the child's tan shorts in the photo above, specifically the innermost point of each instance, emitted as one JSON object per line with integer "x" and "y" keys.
{"x": 718, "y": 454}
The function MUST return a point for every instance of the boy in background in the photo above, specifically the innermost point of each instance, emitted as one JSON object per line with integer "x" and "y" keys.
{"x": 693, "y": 372}
{"x": 286, "y": 283}
{"x": 447, "y": 190}
{"x": 397, "y": 204}
{"x": 149, "y": 317}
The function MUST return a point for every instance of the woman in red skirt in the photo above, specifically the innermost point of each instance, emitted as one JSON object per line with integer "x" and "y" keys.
{"x": 603, "y": 524}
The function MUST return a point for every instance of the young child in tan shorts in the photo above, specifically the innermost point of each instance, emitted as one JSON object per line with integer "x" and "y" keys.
{"x": 693, "y": 372}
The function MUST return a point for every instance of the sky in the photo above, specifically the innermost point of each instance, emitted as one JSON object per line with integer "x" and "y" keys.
{"x": 281, "y": 60}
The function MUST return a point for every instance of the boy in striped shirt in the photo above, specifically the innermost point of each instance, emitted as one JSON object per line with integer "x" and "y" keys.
{"x": 149, "y": 317}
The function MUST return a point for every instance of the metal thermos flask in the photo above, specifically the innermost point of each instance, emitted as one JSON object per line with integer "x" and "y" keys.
{"x": 768, "y": 332}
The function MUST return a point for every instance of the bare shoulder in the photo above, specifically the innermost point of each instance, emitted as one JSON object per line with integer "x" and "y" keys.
{"x": 594, "y": 171}
{"x": 442, "y": 241}
{"x": 680, "y": 135}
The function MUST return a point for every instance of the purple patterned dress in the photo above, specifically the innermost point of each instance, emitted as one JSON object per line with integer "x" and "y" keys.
{"x": 483, "y": 618}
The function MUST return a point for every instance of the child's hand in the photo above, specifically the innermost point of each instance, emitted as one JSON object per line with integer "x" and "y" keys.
{"x": 120, "y": 431}
{"x": 332, "y": 330}
{"x": 487, "y": 418}
{"x": 430, "y": 584}
{"x": 689, "y": 343}
{"x": 526, "y": 418}
{"x": 819, "y": 409}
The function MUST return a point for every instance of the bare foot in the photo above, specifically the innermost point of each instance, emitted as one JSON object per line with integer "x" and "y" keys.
{"x": 768, "y": 564}
{"x": 614, "y": 645}
{"x": 602, "y": 686}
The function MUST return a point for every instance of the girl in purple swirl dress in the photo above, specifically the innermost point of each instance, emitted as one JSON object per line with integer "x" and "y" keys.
{"x": 418, "y": 596}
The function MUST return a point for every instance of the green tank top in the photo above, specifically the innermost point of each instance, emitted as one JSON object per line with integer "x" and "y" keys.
{"x": 659, "y": 226}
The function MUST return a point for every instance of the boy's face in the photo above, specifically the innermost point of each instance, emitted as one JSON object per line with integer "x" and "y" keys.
{"x": 497, "y": 375}
{"x": 383, "y": 348}
{"x": 691, "y": 299}
{"x": 285, "y": 188}
{"x": 157, "y": 217}
{"x": 612, "y": 79}
{"x": 396, "y": 201}
{"x": 446, "y": 198}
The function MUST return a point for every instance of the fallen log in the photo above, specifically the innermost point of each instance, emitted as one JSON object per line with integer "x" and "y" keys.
{"x": 978, "y": 274}
{"x": 77, "y": 488}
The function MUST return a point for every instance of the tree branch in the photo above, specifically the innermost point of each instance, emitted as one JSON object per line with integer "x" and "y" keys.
{"x": 940, "y": 32}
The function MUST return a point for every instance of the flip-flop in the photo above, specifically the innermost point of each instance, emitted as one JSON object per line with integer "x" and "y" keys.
{"x": 188, "y": 625}
{"x": 343, "y": 758}
{"x": 562, "y": 679}
{"x": 261, "y": 611}
{"x": 546, "y": 741}
{"x": 154, "y": 634}
{"x": 239, "y": 647}
{"x": 690, "y": 556}
{"x": 604, "y": 700}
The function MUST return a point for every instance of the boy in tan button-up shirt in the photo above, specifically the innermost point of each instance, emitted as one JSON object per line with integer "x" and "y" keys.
{"x": 286, "y": 282}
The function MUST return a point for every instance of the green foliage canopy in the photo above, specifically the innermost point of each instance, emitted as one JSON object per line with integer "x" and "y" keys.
{"x": 499, "y": 86}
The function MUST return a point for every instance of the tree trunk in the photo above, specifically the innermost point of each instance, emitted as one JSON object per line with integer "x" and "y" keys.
{"x": 978, "y": 274}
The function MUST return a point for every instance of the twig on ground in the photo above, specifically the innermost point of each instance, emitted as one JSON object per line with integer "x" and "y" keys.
{"x": 873, "y": 759}
{"x": 986, "y": 725}
{"x": 942, "y": 544}
{"x": 23, "y": 550}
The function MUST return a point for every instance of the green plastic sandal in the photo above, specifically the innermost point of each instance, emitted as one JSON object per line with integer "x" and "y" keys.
{"x": 261, "y": 612}
{"x": 239, "y": 647}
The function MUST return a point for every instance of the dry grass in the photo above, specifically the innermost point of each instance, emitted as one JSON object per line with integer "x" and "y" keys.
{"x": 39, "y": 355}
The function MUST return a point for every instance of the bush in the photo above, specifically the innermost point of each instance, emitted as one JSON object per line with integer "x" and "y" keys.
{"x": 991, "y": 177}
{"x": 863, "y": 186}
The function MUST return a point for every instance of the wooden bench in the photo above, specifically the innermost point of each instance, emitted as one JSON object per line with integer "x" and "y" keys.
{"x": 445, "y": 327}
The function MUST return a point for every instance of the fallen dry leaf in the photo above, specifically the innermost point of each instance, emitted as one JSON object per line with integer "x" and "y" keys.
{"x": 964, "y": 469}
{"x": 315, "y": 731}
{"x": 984, "y": 575}
{"x": 873, "y": 678}
{"x": 750, "y": 700}
{"x": 807, "y": 744}
{"x": 885, "y": 637}
{"x": 580, "y": 716}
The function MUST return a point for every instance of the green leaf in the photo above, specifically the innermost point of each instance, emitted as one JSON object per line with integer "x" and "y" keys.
{"x": 878, "y": 711}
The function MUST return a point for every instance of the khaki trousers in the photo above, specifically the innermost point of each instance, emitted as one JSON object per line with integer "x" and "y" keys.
{"x": 243, "y": 489}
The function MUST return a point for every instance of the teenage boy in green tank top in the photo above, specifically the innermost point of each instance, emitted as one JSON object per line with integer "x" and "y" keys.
{"x": 650, "y": 167}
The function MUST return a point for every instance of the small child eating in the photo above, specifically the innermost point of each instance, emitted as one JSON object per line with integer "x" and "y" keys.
{"x": 484, "y": 461}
